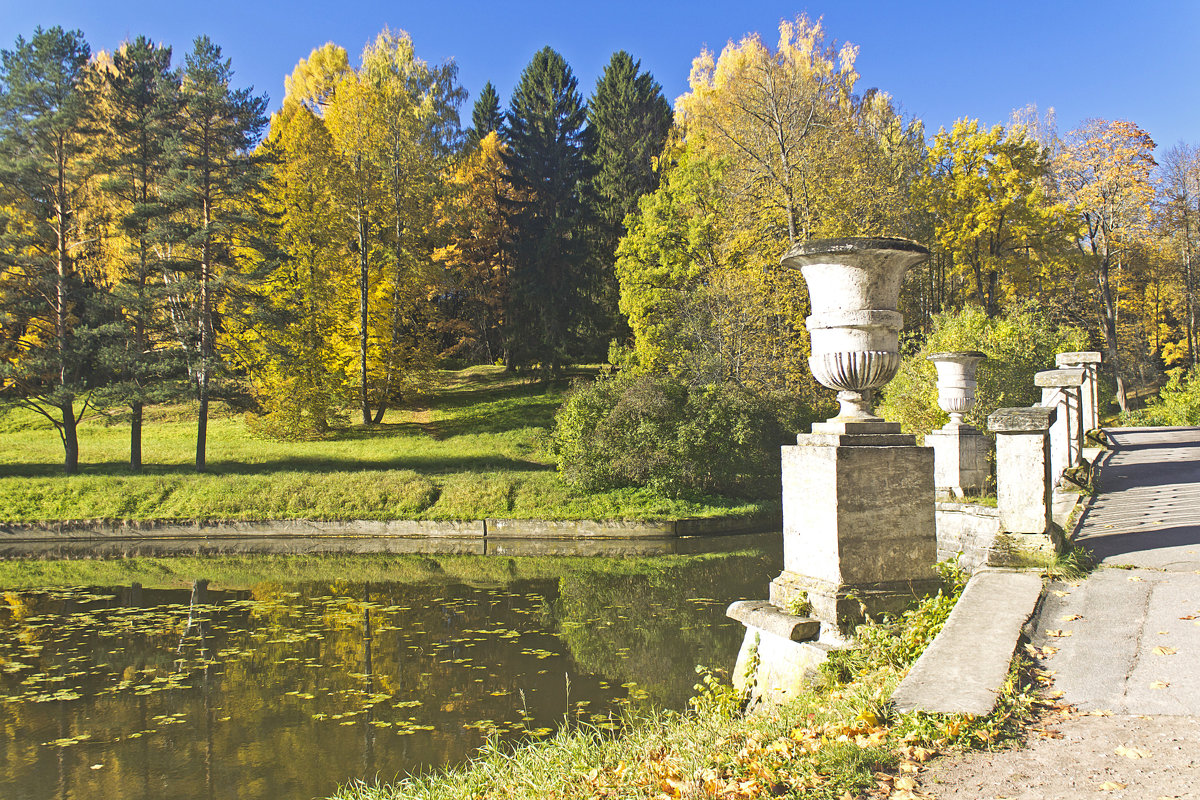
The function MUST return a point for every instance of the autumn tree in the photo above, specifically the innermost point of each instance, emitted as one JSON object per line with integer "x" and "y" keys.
{"x": 139, "y": 103}
{"x": 993, "y": 218}
{"x": 1104, "y": 176}
{"x": 1179, "y": 224}
{"x": 301, "y": 364}
{"x": 414, "y": 119}
{"x": 476, "y": 297}
{"x": 49, "y": 347}
{"x": 213, "y": 173}
{"x": 544, "y": 131}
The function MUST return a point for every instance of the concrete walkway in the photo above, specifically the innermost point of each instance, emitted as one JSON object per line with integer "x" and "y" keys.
{"x": 1123, "y": 645}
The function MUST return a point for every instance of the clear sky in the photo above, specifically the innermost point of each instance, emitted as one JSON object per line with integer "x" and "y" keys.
{"x": 941, "y": 60}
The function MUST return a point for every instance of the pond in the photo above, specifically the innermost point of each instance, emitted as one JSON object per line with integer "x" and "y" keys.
{"x": 231, "y": 677}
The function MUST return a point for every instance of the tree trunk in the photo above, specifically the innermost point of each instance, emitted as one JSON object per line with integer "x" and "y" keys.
{"x": 70, "y": 437}
{"x": 135, "y": 436}
{"x": 1108, "y": 313}
{"x": 363, "y": 297}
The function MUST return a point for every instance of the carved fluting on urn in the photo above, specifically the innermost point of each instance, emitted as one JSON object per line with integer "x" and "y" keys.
{"x": 856, "y": 374}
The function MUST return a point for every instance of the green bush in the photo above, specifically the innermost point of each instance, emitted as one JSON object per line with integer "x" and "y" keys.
{"x": 1178, "y": 402}
{"x": 657, "y": 431}
{"x": 1018, "y": 344}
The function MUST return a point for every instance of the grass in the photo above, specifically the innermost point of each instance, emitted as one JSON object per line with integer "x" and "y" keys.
{"x": 479, "y": 449}
{"x": 838, "y": 739}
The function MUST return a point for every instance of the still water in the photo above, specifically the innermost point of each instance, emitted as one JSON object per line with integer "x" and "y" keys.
{"x": 285, "y": 689}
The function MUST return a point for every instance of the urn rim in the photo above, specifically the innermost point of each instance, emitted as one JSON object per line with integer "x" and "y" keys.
{"x": 956, "y": 355}
{"x": 853, "y": 244}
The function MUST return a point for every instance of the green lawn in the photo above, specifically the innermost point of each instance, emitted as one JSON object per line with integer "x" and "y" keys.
{"x": 479, "y": 449}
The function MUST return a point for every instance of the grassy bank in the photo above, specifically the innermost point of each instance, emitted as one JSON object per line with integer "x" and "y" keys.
{"x": 837, "y": 741}
{"x": 477, "y": 447}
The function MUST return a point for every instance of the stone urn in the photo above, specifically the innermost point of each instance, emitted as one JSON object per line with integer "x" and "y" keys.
{"x": 854, "y": 288}
{"x": 956, "y": 383}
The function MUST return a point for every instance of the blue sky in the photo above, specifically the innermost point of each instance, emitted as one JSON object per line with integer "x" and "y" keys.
{"x": 940, "y": 60}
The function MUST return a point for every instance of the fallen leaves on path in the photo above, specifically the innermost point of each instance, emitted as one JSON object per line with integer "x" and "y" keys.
{"x": 1040, "y": 652}
{"x": 1058, "y": 634}
{"x": 1112, "y": 786}
{"x": 1131, "y": 752}
{"x": 1134, "y": 578}
{"x": 1072, "y": 617}
{"x": 1159, "y": 685}
{"x": 1164, "y": 651}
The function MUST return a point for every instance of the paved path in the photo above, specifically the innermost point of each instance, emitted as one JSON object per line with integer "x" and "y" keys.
{"x": 1127, "y": 642}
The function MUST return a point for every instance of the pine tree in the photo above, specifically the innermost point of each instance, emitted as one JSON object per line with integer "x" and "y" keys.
{"x": 629, "y": 119}
{"x": 486, "y": 116}
{"x": 139, "y": 102}
{"x": 48, "y": 351}
{"x": 213, "y": 174}
{"x": 544, "y": 130}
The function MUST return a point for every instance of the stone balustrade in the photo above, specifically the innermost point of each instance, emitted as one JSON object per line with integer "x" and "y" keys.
{"x": 1062, "y": 390}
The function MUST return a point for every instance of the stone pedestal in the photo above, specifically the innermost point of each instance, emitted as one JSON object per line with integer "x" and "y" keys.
{"x": 960, "y": 464}
{"x": 1023, "y": 488}
{"x": 1089, "y": 361}
{"x": 1061, "y": 390}
{"x": 858, "y": 524}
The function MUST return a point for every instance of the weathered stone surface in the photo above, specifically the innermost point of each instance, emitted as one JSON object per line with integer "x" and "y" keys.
{"x": 1021, "y": 420}
{"x": 965, "y": 666}
{"x": 858, "y": 428}
{"x": 1023, "y": 468}
{"x": 1066, "y": 433}
{"x": 956, "y": 382}
{"x": 598, "y": 547}
{"x": 1089, "y": 391}
{"x": 960, "y": 463}
{"x": 967, "y": 531}
{"x": 771, "y": 618}
{"x": 1073, "y": 376}
{"x": 774, "y": 668}
{"x": 217, "y": 529}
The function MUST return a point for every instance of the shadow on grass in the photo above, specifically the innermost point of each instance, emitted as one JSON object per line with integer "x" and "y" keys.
{"x": 431, "y": 465}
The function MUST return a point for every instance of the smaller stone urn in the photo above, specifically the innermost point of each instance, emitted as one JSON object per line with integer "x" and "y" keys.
{"x": 854, "y": 288}
{"x": 956, "y": 382}
{"x": 960, "y": 464}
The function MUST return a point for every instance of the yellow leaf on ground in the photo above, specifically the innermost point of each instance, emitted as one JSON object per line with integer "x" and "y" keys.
{"x": 1057, "y": 593}
{"x": 1058, "y": 634}
{"x": 1133, "y": 578}
{"x": 1164, "y": 651}
{"x": 1072, "y": 617}
{"x": 905, "y": 783}
{"x": 1112, "y": 786}
{"x": 1159, "y": 685}
{"x": 1101, "y": 713}
{"x": 1131, "y": 752}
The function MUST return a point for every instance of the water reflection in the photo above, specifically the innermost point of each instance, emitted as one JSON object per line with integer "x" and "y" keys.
{"x": 287, "y": 689}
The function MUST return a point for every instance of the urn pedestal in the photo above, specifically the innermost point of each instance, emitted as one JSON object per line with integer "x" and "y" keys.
{"x": 858, "y": 495}
{"x": 960, "y": 450}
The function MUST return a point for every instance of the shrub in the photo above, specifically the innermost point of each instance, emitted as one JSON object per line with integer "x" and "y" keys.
{"x": 657, "y": 431}
{"x": 1178, "y": 402}
{"x": 1018, "y": 344}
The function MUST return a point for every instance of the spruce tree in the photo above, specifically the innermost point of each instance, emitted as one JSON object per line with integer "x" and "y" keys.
{"x": 214, "y": 176}
{"x": 628, "y": 119}
{"x": 140, "y": 105}
{"x": 47, "y": 351}
{"x": 544, "y": 129}
{"x": 486, "y": 116}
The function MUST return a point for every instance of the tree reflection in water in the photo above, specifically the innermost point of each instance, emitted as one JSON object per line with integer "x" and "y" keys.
{"x": 289, "y": 689}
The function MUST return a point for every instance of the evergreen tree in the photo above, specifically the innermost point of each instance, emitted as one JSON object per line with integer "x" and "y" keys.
{"x": 47, "y": 350}
{"x": 140, "y": 111}
{"x": 629, "y": 119}
{"x": 213, "y": 175}
{"x": 544, "y": 129}
{"x": 486, "y": 116}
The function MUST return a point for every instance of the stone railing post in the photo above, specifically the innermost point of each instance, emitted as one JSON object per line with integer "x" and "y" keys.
{"x": 1023, "y": 487}
{"x": 1089, "y": 361}
{"x": 1061, "y": 388}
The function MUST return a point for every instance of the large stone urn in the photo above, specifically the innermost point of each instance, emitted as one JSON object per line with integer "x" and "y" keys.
{"x": 960, "y": 450}
{"x": 854, "y": 288}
